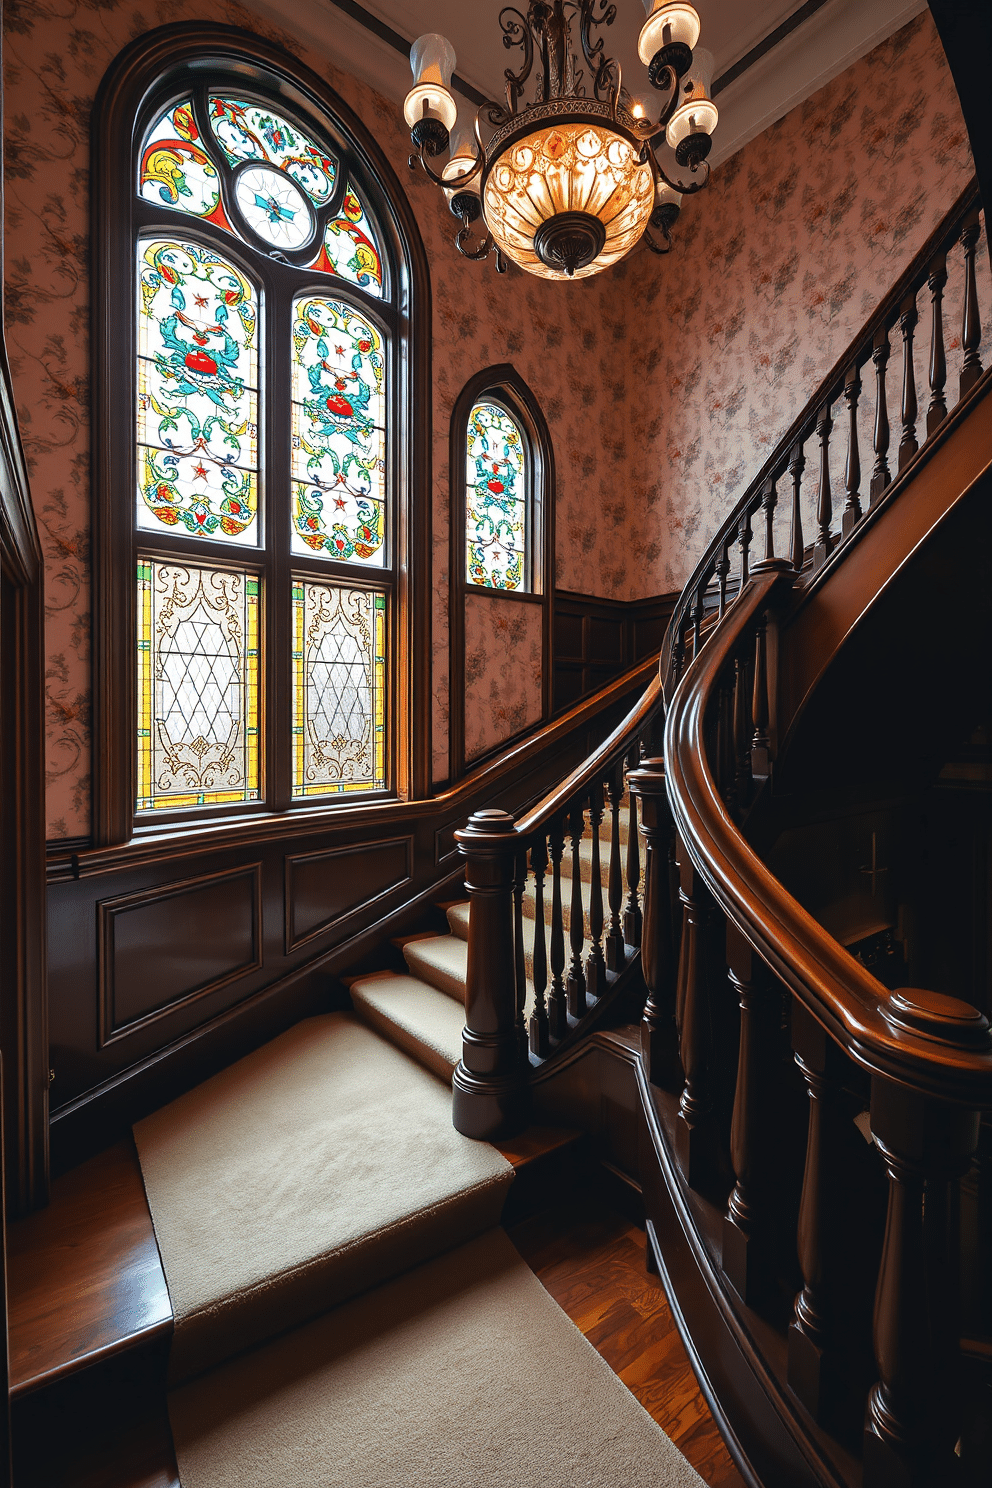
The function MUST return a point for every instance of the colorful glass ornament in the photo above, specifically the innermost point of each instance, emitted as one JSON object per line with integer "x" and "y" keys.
{"x": 339, "y": 436}
{"x": 251, "y": 131}
{"x": 177, "y": 171}
{"x": 339, "y": 689}
{"x": 496, "y": 500}
{"x": 197, "y": 393}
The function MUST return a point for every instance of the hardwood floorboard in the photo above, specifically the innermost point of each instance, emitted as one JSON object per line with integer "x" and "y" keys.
{"x": 593, "y": 1263}
{"x": 84, "y": 1278}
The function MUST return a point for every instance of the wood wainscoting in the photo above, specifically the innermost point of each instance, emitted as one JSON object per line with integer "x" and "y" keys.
{"x": 595, "y": 640}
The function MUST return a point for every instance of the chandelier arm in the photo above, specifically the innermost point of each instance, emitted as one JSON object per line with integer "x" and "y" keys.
{"x": 455, "y": 183}
{"x": 483, "y": 251}
{"x": 646, "y": 237}
{"x": 593, "y": 51}
{"x": 684, "y": 189}
{"x": 515, "y": 27}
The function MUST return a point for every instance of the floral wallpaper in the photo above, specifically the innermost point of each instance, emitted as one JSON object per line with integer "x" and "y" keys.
{"x": 661, "y": 381}
{"x": 502, "y": 669}
{"x": 775, "y": 266}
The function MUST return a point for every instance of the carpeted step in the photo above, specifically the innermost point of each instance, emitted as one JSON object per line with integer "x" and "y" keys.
{"x": 464, "y": 1373}
{"x": 425, "y": 1023}
{"x": 313, "y": 1169}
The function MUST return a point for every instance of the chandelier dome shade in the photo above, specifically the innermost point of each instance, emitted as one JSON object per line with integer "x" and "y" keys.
{"x": 586, "y": 173}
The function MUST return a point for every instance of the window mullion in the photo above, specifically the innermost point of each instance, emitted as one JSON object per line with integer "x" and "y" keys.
{"x": 278, "y": 436}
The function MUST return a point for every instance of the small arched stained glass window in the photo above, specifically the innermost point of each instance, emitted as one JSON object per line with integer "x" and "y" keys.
{"x": 497, "y": 500}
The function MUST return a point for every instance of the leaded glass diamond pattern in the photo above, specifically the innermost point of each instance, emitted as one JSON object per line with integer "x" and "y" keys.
{"x": 339, "y": 674}
{"x": 197, "y": 685}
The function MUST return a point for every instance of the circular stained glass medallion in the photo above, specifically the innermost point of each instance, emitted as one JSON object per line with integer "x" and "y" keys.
{"x": 274, "y": 207}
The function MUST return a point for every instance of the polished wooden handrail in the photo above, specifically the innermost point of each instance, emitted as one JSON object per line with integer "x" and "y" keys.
{"x": 616, "y": 744}
{"x": 783, "y": 456}
{"x": 837, "y": 990}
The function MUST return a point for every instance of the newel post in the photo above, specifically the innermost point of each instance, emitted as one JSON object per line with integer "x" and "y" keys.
{"x": 658, "y": 966}
{"x": 489, "y": 1088}
{"x": 913, "y": 1419}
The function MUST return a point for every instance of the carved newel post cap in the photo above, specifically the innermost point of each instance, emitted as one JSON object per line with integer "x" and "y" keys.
{"x": 484, "y": 826}
{"x": 772, "y": 565}
{"x": 932, "y": 1015}
{"x": 649, "y": 778}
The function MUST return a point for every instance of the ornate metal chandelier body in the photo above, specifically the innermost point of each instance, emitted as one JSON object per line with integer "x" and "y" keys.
{"x": 568, "y": 184}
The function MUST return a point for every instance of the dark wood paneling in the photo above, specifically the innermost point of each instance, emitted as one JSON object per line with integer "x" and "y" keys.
{"x": 596, "y": 639}
{"x": 324, "y": 888}
{"x": 161, "y": 948}
{"x": 102, "y": 1087}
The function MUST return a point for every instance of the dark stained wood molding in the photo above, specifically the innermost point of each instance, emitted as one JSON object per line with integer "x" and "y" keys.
{"x": 295, "y": 863}
{"x": 176, "y": 54}
{"x": 23, "y": 1003}
{"x": 109, "y": 911}
{"x": 502, "y": 381}
{"x": 596, "y": 639}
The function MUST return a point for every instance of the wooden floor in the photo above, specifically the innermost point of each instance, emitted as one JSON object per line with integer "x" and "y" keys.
{"x": 593, "y": 1263}
{"x": 86, "y": 1288}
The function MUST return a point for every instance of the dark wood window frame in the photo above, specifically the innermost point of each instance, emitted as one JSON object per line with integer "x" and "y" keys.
{"x": 505, "y": 386}
{"x": 145, "y": 78}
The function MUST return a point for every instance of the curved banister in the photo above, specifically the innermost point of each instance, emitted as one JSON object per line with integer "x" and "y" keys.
{"x": 689, "y": 608}
{"x": 626, "y": 734}
{"x": 839, "y": 992}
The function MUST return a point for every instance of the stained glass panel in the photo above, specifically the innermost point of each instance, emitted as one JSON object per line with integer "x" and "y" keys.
{"x": 339, "y": 437}
{"x": 197, "y": 394}
{"x": 198, "y": 713}
{"x": 351, "y": 246}
{"x": 249, "y": 131}
{"x": 496, "y": 500}
{"x": 339, "y": 689}
{"x": 176, "y": 170}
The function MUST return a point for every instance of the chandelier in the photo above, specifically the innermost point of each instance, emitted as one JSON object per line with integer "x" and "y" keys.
{"x": 566, "y": 185}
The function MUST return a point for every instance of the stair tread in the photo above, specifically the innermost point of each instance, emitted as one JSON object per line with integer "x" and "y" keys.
{"x": 426, "y": 1023}
{"x": 316, "y": 1167}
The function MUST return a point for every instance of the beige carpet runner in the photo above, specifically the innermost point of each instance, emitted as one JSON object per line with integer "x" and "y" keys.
{"x": 462, "y": 1374}
{"x": 346, "y": 1312}
{"x": 315, "y": 1168}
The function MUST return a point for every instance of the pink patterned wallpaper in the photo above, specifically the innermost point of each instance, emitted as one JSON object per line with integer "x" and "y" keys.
{"x": 502, "y": 669}
{"x": 775, "y": 267}
{"x": 660, "y": 381}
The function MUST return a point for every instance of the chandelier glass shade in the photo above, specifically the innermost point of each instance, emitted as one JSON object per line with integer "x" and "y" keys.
{"x": 569, "y": 184}
{"x": 570, "y": 172}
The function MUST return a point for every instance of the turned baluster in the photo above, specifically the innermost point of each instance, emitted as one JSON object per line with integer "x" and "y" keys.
{"x": 852, "y": 480}
{"x": 936, "y": 279}
{"x": 658, "y": 965}
{"x": 697, "y": 618}
{"x": 519, "y": 959}
{"x": 694, "y": 1133}
{"x": 908, "y": 317}
{"x": 576, "y": 986}
{"x": 880, "y": 476}
{"x": 824, "y": 501}
{"x": 815, "y": 1369}
{"x": 538, "y": 1030}
{"x": 557, "y": 1004}
{"x": 748, "y": 1241}
{"x": 490, "y": 1093}
{"x": 914, "y": 1410}
{"x": 769, "y": 501}
{"x": 744, "y": 539}
{"x": 742, "y": 732}
{"x": 722, "y": 570}
{"x": 971, "y": 326}
{"x": 616, "y": 955}
{"x": 678, "y": 655}
{"x": 760, "y": 711}
{"x": 797, "y": 546}
{"x": 595, "y": 961}
{"x": 632, "y": 909}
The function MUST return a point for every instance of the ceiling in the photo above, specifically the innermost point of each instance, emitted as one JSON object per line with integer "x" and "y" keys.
{"x": 831, "y": 39}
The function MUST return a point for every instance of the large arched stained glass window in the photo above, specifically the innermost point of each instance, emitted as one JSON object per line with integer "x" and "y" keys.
{"x": 498, "y": 536}
{"x": 264, "y": 533}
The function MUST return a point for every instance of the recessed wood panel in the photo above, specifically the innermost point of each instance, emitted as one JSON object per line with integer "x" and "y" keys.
{"x": 606, "y": 638}
{"x": 162, "y": 947}
{"x": 324, "y": 888}
{"x": 568, "y": 636}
